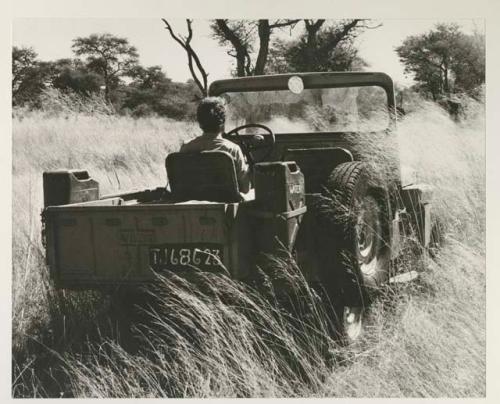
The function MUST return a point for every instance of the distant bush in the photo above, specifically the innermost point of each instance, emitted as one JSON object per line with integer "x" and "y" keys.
{"x": 58, "y": 102}
{"x": 168, "y": 99}
{"x": 78, "y": 80}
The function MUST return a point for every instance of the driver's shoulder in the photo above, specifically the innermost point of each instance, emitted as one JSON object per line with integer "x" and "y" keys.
{"x": 191, "y": 145}
{"x": 231, "y": 146}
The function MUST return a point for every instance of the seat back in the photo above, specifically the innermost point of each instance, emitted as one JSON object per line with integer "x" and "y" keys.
{"x": 205, "y": 176}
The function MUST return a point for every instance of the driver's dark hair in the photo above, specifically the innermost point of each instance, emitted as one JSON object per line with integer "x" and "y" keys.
{"x": 211, "y": 114}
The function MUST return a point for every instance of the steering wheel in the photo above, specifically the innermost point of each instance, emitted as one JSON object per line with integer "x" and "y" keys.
{"x": 248, "y": 148}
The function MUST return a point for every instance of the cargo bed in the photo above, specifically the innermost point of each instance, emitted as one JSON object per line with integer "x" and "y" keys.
{"x": 114, "y": 242}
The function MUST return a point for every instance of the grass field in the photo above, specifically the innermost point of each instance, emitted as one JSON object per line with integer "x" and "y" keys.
{"x": 426, "y": 339}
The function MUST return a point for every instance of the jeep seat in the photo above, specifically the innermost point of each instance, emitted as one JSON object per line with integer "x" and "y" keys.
{"x": 203, "y": 176}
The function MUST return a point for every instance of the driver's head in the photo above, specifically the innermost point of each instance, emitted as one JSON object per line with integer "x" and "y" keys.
{"x": 211, "y": 114}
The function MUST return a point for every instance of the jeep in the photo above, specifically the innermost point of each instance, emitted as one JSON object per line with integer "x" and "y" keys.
{"x": 316, "y": 196}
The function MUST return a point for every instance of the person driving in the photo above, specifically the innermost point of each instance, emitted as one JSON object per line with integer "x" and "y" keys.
{"x": 211, "y": 116}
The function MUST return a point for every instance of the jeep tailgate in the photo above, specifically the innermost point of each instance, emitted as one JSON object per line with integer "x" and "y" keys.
{"x": 91, "y": 245}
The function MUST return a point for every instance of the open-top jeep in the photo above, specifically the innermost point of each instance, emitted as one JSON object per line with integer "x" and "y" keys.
{"x": 314, "y": 195}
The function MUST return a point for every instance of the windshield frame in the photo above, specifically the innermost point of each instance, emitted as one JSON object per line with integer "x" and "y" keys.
{"x": 279, "y": 82}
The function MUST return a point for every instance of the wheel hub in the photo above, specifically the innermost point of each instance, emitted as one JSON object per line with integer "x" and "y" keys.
{"x": 353, "y": 317}
{"x": 367, "y": 235}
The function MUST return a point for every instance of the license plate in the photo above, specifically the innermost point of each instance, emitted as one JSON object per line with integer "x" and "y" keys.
{"x": 172, "y": 256}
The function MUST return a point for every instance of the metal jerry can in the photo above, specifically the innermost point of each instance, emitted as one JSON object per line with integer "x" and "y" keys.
{"x": 279, "y": 202}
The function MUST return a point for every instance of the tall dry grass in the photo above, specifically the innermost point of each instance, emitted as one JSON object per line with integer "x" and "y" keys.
{"x": 209, "y": 336}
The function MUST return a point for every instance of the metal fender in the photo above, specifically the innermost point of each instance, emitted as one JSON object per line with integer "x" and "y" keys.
{"x": 417, "y": 200}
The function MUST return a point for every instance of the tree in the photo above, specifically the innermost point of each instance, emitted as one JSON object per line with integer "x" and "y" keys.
{"x": 469, "y": 64}
{"x": 110, "y": 56}
{"x": 444, "y": 60}
{"x": 29, "y": 75}
{"x": 321, "y": 47}
{"x": 194, "y": 63}
{"x": 241, "y": 37}
{"x": 23, "y": 61}
{"x": 148, "y": 87}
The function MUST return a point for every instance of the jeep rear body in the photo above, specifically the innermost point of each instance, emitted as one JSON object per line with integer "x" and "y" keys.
{"x": 127, "y": 239}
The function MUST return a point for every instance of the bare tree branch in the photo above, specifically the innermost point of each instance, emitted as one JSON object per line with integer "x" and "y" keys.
{"x": 172, "y": 34}
{"x": 197, "y": 59}
{"x": 366, "y": 26}
{"x": 185, "y": 43}
{"x": 345, "y": 31}
{"x": 240, "y": 47}
{"x": 285, "y": 23}
{"x": 240, "y": 34}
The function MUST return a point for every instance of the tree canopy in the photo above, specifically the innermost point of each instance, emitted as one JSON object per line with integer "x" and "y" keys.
{"x": 108, "y": 55}
{"x": 444, "y": 60}
{"x": 29, "y": 75}
{"x": 320, "y": 47}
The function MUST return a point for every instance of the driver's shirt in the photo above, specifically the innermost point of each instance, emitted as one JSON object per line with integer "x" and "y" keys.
{"x": 208, "y": 143}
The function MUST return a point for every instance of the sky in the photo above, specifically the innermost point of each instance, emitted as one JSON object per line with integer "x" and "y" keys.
{"x": 52, "y": 38}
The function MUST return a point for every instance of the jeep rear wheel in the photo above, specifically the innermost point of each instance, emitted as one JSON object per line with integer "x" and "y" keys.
{"x": 346, "y": 321}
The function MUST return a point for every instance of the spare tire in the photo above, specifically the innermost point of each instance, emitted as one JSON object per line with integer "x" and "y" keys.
{"x": 354, "y": 217}
{"x": 360, "y": 224}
